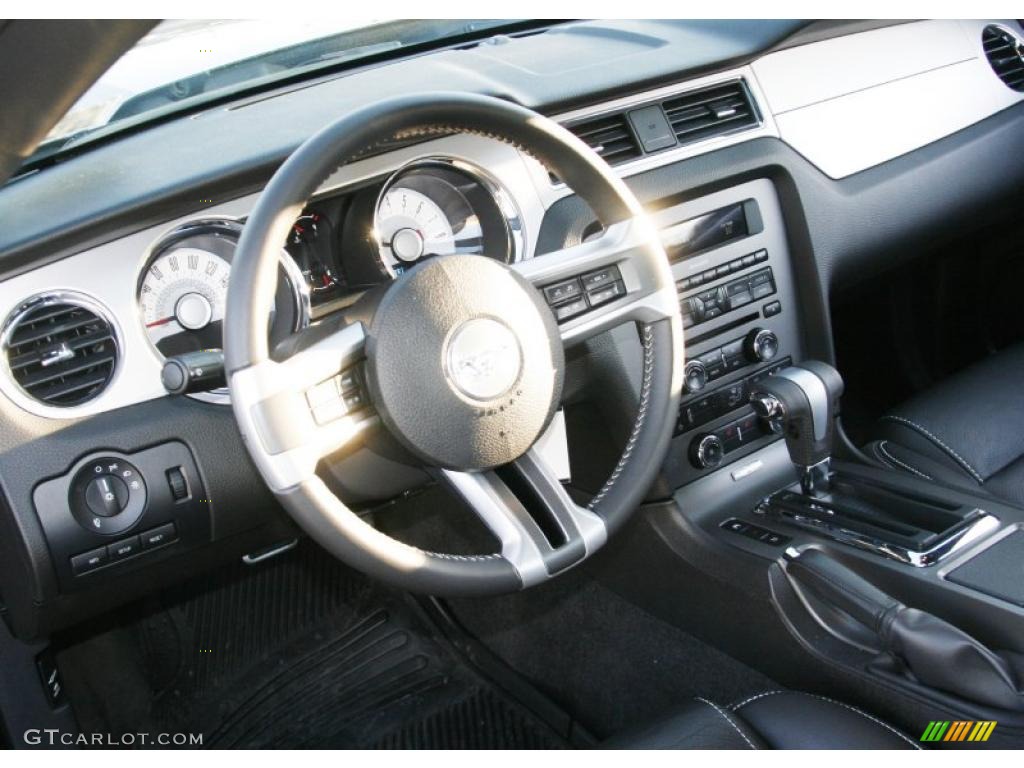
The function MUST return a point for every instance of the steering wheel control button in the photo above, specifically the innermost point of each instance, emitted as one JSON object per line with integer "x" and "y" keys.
{"x": 107, "y": 495}
{"x": 122, "y": 549}
{"x": 571, "y": 298}
{"x": 563, "y": 291}
{"x": 88, "y": 561}
{"x": 571, "y": 309}
{"x": 606, "y": 294}
{"x": 484, "y": 360}
{"x": 338, "y": 396}
{"x": 600, "y": 277}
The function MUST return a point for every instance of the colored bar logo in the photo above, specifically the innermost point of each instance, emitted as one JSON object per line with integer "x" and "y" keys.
{"x": 958, "y": 730}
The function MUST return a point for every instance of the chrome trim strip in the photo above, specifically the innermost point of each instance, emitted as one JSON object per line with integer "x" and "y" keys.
{"x": 258, "y": 557}
{"x": 955, "y": 542}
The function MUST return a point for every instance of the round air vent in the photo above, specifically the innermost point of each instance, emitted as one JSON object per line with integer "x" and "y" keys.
{"x": 1005, "y": 52}
{"x": 60, "y": 349}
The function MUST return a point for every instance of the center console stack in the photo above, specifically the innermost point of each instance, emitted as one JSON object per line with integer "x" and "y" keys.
{"x": 737, "y": 292}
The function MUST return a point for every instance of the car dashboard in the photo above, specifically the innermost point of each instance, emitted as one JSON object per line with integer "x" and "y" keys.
{"x": 775, "y": 169}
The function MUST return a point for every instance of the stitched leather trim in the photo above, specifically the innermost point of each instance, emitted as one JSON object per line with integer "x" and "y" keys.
{"x": 860, "y": 712}
{"x": 647, "y": 336}
{"x": 729, "y": 720}
{"x": 886, "y": 456}
{"x": 949, "y": 451}
{"x": 755, "y": 697}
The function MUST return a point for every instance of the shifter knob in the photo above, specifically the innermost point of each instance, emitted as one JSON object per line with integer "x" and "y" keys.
{"x": 801, "y": 402}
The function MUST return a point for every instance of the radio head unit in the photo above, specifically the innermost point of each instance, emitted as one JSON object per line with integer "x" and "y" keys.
{"x": 711, "y": 230}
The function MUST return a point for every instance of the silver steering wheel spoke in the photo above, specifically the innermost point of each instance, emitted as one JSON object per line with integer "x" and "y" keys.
{"x": 304, "y": 408}
{"x": 574, "y": 532}
{"x": 622, "y": 276}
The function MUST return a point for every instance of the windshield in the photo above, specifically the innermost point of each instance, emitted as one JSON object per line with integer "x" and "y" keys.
{"x": 183, "y": 62}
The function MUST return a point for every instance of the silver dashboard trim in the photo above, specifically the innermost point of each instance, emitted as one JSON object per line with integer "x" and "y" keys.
{"x": 108, "y": 273}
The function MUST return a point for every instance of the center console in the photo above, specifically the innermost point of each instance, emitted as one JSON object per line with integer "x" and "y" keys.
{"x": 733, "y": 271}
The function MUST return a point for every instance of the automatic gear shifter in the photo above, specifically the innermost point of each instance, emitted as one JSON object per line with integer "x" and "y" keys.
{"x": 801, "y": 402}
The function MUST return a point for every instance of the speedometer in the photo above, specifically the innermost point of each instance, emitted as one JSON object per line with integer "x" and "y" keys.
{"x": 439, "y": 207}
{"x": 183, "y": 286}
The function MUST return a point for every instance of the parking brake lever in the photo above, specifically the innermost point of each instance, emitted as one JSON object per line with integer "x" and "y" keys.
{"x": 936, "y": 653}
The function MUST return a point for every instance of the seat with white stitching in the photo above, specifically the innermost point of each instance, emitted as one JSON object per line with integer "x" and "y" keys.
{"x": 768, "y": 720}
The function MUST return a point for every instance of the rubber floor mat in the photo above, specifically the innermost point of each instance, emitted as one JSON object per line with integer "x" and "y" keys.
{"x": 297, "y": 652}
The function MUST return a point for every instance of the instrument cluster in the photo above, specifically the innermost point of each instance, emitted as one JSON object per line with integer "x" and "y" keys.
{"x": 341, "y": 245}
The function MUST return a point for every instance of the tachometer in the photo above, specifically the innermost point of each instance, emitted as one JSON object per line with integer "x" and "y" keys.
{"x": 410, "y": 226}
{"x": 440, "y": 207}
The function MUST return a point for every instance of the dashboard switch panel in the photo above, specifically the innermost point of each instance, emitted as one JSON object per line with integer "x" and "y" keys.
{"x": 95, "y": 529}
{"x": 108, "y": 495}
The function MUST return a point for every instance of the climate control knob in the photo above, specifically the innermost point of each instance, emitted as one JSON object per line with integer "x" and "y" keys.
{"x": 707, "y": 451}
{"x": 761, "y": 345}
{"x": 695, "y": 376}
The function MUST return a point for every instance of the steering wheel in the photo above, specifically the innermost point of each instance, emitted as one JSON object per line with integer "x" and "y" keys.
{"x": 462, "y": 362}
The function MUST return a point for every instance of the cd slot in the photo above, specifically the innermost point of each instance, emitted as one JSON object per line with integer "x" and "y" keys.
{"x": 697, "y": 339}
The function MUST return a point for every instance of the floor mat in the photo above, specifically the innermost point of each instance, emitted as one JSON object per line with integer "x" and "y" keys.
{"x": 602, "y": 658}
{"x": 297, "y": 652}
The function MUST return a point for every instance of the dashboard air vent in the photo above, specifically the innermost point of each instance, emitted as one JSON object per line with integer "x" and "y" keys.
{"x": 610, "y": 136}
{"x": 710, "y": 112}
{"x": 60, "y": 351}
{"x": 1005, "y": 53}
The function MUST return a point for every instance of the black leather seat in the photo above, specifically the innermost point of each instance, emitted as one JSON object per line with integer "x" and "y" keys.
{"x": 968, "y": 430}
{"x": 772, "y": 720}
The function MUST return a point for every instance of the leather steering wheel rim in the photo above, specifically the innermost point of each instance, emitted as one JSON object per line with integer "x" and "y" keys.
{"x": 271, "y": 399}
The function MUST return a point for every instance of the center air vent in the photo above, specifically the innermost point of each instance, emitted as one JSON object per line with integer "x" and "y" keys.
{"x": 655, "y": 126}
{"x": 715, "y": 111}
{"x": 60, "y": 350}
{"x": 1005, "y": 52}
{"x": 610, "y": 136}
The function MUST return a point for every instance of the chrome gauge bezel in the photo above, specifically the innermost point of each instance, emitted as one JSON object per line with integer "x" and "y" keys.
{"x": 231, "y": 227}
{"x": 504, "y": 202}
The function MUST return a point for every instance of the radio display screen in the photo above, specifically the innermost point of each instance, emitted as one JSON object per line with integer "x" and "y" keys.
{"x": 703, "y": 232}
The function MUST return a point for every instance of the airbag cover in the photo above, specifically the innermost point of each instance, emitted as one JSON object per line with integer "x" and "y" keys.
{"x": 464, "y": 362}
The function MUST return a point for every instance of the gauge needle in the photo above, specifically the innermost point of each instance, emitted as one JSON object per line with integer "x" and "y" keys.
{"x": 164, "y": 321}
